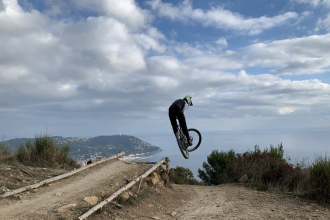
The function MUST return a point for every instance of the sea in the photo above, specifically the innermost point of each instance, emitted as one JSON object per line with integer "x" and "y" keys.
{"x": 299, "y": 146}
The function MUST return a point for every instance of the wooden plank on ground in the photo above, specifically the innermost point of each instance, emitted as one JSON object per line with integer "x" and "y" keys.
{"x": 121, "y": 190}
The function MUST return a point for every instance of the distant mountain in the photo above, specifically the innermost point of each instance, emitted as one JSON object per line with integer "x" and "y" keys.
{"x": 85, "y": 148}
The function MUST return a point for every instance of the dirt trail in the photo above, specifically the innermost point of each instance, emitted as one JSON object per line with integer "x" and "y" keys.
{"x": 235, "y": 202}
{"x": 216, "y": 202}
{"x": 227, "y": 201}
{"x": 100, "y": 180}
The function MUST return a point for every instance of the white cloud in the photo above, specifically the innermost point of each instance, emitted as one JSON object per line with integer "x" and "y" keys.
{"x": 98, "y": 101}
{"x": 173, "y": 33}
{"x": 222, "y": 41}
{"x": 2, "y": 6}
{"x": 54, "y": 10}
{"x": 286, "y": 110}
{"x": 150, "y": 41}
{"x": 324, "y": 23}
{"x": 215, "y": 62}
{"x": 125, "y": 11}
{"x": 314, "y": 3}
{"x": 11, "y": 74}
{"x": 296, "y": 56}
{"x": 264, "y": 95}
{"x": 43, "y": 57}
{"x": 219, "y": 17}
{"x": 108, "y": 66}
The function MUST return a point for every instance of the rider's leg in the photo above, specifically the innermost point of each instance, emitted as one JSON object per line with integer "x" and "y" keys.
{"x": 172, "y": 113}
{"x": 182, "y": 121}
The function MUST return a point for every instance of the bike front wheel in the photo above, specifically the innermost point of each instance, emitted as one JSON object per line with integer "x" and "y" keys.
{"x": 181, "y": 142}
{"x": 196, "y": 137}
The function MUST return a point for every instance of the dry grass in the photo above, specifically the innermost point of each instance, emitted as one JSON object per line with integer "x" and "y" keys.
{"x": 45, "y": 152}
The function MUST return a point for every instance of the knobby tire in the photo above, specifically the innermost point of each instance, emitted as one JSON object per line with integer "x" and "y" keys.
{"x": 195, "y": 134}
{"x": 180, "y": 140}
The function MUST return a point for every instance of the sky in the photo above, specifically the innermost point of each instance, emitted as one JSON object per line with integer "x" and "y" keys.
{"x": 102, "y": 67}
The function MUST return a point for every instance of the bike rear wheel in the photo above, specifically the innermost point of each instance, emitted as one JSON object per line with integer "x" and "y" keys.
{"x": 196, "y": 137}
{"x": 181, "y": 142}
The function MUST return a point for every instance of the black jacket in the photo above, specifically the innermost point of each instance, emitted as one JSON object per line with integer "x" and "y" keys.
{"x": 182, "y": 104}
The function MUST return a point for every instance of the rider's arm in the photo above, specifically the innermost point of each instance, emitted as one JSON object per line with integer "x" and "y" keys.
{"x": 186, "y": 106}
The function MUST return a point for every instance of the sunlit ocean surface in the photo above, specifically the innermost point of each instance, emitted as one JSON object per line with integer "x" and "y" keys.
{"x": 298, "y": 146}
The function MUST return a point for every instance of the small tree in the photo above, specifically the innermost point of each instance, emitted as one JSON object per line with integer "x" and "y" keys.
{"x": 218, "y": 168}
{"x": 181, "y": 175}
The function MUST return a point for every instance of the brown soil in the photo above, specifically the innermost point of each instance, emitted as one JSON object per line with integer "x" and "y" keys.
{"x": 228, "y": 201}
{"x": 100, "y": 181}
{"x": 16, "y": 175}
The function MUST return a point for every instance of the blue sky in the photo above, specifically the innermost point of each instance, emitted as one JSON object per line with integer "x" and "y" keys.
{"x": 102, "y": 67}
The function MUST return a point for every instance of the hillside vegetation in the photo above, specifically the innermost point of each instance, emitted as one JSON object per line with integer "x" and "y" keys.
{"x": 82, "y": 149}
{"x": 42, "y": 151}
{"x": 268, "y": 170}
{"x": 33, "y": 162}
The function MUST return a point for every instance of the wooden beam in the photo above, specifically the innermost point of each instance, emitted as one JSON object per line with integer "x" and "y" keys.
{"x": 121, "y": 190}
{"x": 59, "y": 177}
{"x": 147, "y": 162}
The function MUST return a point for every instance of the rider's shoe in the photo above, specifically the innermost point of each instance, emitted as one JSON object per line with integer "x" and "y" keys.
{"x": 190, "y": 142}
{"x": 186, "y": 144}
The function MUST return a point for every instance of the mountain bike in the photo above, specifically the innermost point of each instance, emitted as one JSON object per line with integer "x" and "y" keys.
{"x": 195, "y": 137}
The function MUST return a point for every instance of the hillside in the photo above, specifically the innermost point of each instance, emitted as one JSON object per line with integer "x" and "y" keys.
{"x": 82, "y": 149}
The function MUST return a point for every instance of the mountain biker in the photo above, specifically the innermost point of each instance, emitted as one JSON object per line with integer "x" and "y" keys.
{"x": 177, "y": 111}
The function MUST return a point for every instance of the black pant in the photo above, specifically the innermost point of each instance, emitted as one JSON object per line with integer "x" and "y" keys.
{"x": 176, "y": 113}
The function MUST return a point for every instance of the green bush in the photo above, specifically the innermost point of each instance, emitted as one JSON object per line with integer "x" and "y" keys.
{"x": 268, "y": 169}
{"x": 22, "y": 154}
{"x": 319, "y": 176}
{"x": 218, "y": 168}
{"x": 264, "y": 169}
{"x": 44, "y": 151}
{"x": 4, "y": 149}
{"x": 181, "y": 175}
{"x": 274, "y": 152}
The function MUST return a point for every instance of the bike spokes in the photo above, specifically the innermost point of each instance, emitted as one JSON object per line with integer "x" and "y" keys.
{"x": 196, "y": 137}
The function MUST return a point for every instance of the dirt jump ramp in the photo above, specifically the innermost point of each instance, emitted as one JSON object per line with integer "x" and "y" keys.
{"x": 101, "y": 181}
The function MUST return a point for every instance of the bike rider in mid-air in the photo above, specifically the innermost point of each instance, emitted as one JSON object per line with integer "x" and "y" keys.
{"x": 177, "y": 111}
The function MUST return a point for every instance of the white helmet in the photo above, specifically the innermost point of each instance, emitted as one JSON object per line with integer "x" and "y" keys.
{"x": 188, "y": 99}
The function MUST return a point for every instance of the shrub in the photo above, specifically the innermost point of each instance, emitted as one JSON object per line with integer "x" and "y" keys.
{"x": 181, "y": 175}
{"x": 274, "y": 152}
{"x": 22, "y": 154}
{"x": 269, "y": 168}
{"x": 5, "y": 153}
{"x": 218, "y": 168}
{"x": 45, "y": 151}
{"x": 264, "y": 169}
{"x": 4, "y": 149}
{"x": 319, "y": 178}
